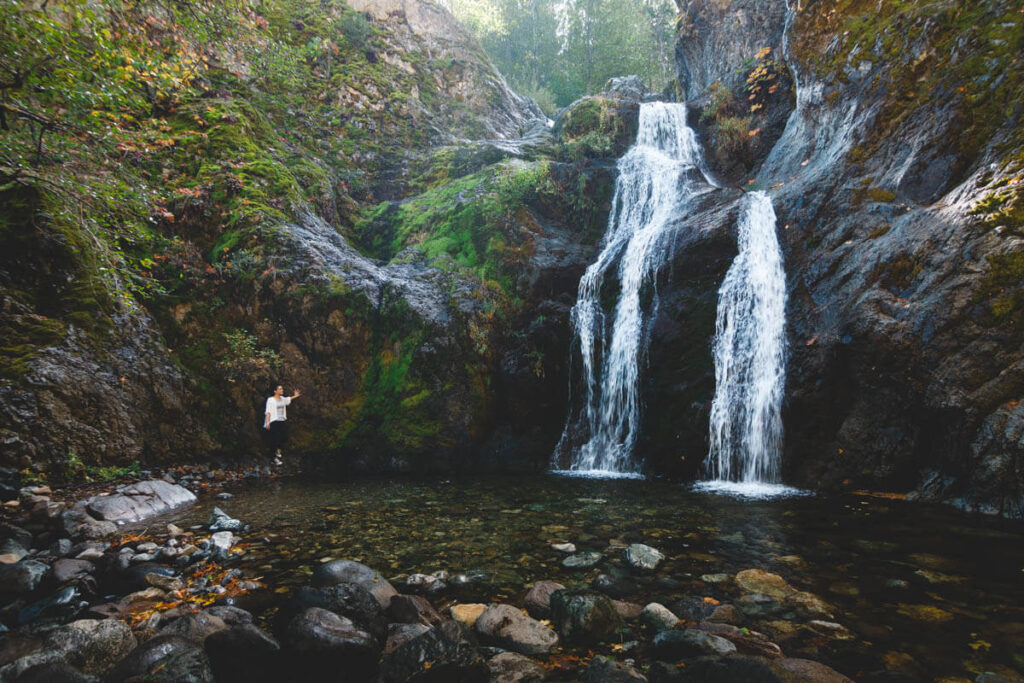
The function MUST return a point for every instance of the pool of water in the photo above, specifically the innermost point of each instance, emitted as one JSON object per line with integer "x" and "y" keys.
{"x": 928, "y": 592}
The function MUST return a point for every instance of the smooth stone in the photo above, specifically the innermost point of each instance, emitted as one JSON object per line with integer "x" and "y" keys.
{"x": 733, "y": 669}
{"x": 467, "y": 613}
{"x": 538, "y": 598}
{"x": 424, "y": 583}
{"x": 447, "y": 652}
{"x": 584, "y": 560}
{"x": 164, "y": 583}
{"x": 412, "y": 609}
{"x": 222, "y": 521}
{"x": 65, "y": 570}
{"x": 344, "y": 599}
{"x": 147, "y": 655}
{"x": 628, "y": 610}
{"x": 512, "y": 667}
{"x": 620, "y": 587}
{"x": 23, "y": 537}
{"x": 714, "y": 578}
{"x": 63, "y": 604}
{"x": 9, "y": 546}
{"x": 584, "y": 617}
{"x": 604, "y": 670}
{"x": 810, "y": 604}
{"x": 507, "y": 627}
{"x": 55, "y": 672}
{"x": 675, "y": 645}
{"x": 60, "y": 548}
{"x": 564, "y": 547}
{"x": 232, "y": 616}
{"x": 747, "y": 642}
{"x": 194, "y": 627}
{"x": 765, "y": 583}
{"x": 347, "y": 571}
{"x": 643, "y": 557}
{"x": 222, "y": 540}
{"x": 11, "y": 558}
{"x": 657, "y": 617}
{"x": 139, "y": 501}
{"x": 725, "y": 614}
{"x": 92, "y": 645}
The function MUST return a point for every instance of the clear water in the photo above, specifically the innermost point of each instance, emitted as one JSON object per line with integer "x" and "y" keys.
{"x": 750, "y": 354}
{"x": 847, "y": 550}
{"x": 657, "y": 176}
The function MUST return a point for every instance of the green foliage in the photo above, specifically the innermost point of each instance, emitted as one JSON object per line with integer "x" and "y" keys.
{"x": 245, "y": 357}
{"x": 1003, "y": 290}
{"x": 72, "y": 470}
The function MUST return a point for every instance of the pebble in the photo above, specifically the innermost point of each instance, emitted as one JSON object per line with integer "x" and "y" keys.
{"x": 564, "y": 547}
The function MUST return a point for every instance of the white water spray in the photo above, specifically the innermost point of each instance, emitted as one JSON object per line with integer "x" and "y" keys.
{"x": 750, "y": 359}
{"x": 656, "y": 177}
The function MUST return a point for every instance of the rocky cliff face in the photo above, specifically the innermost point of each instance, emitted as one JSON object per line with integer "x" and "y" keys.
{"x": 896, "y": 179}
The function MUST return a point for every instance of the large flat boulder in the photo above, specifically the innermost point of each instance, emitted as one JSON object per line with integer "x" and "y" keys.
{"x": 140, "y": 501}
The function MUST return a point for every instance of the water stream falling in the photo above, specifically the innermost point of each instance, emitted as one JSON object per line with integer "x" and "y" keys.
{"x": 750, "y": 360}
{"x": 658, "y": 175}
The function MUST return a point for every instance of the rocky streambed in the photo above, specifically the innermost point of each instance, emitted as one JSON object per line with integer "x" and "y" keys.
{"x": 537, "y": 578}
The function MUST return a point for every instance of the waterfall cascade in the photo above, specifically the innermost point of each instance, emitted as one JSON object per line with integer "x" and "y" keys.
{"x": 657, "y": 176}
{"x": 750, "y": 359}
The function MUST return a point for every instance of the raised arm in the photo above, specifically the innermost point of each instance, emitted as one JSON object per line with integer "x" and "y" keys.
{"x": 296, "y": 394}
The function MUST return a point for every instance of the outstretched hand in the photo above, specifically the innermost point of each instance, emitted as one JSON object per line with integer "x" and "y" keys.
{"x": 297, "y": 394}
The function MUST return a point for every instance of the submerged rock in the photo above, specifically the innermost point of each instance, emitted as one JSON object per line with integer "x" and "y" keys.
{"x": 675, "y": 645}
{"x": 643, "y": 557}
{"x": 605, "y": 670}
{"x": 584, "y": 560}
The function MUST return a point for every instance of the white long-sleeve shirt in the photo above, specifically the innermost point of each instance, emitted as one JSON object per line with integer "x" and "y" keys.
{"x": 277, "y": 409}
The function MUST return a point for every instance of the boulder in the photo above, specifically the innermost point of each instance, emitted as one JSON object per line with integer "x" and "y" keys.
{"x": 412, "y": 609}
{"x": 675, "y": 645}
{"x": 722, "y": 670}
{"x": 467, "y": 613}
{"x": 22, "y": 537}
{"x": 507, "y": 627}
{"x": 604, "y": 670}
{"x": 65, "y": 570}
{"x": 55, "y": 672}
{"x": 583, "y": 617}
{"x": 347, "y": 571}
{"x": 814, "y": 672}
{"x": 538, "y": 598}
{"x": 222, "y": 541}
{"x": 63, "y": 604}
{"x": 511, "y": 667}
{"x": 447, "y": 652}
{"x": 194, "y": 627}
{"x": 747, "y": 642}
{"x": 139, "y": 501}
{"x": 222, "y": 521}
{"x": 643, "y": 557}
{"x": 232, "y": 616}
{"x": 399, "y": 634}
{"x": 765, "y": 583}
{"x": 147, "y": 656}
{"x": 92, "y": 645}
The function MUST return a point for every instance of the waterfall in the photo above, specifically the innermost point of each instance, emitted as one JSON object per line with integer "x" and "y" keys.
{"x": 657, "y": 176}
{"x": 750, "y": 357}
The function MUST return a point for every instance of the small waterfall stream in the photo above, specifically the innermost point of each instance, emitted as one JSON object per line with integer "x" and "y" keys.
{"x": 750, "y": 359}
{"x": 656, "y": 177}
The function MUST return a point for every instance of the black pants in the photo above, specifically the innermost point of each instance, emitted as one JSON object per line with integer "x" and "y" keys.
{"x": 278, "y": 435}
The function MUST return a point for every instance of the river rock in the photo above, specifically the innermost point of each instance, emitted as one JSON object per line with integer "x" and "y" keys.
{"x": 448, "y": 651}
{"x": 507, "y": 627}
{"x": 722, "y": 670}
{"x": 63, "y": 604}
{"x": 60, "y": 548}
{"x": 79, "y": 523}
{"x": 467, "y": 613}
{"x": 765, "y": 583}
{"x": 412, "y": 609}
{"x": 657, "y": 617}
{"x": 814, "y": 672}
{"x": 22, "y": 537}
{"x": 347, "y": 571}
{"x": 615, "y": 586}
{"x": 643, "y": 557}
{"x": 604, "y": 670}
{"x": 675, "y": 645}
{"x": 327, "y": 643}
{"x": 92, "y": 645}
{"x": 538, "y": 598}
{"x": 242, "y": 653}
{"x": 584, "y": 560}
{"x": 584, "y": 617}
{"x": 747, "y": 642}
{"x": 139, "y": 501}
{"x": 725, "y": 614}
{"x": 629, "y": 611}
{"x": 65, "y": 570}
{"x": 55, "y": 672}
{"x": 164, "y": 583}
{"x": 222, "y": 541}
{"x": 22, "y": 577}
{"x": 564, "y": 547}
{"x": 424, "y": 584}
{"x": 222, "y": 521}
{"x": 147, "y": 656}
{"x": 194, "y": 627}
{"x": 11, "y": 548}
{"x": 232, "y": 616}
{"x": 512, "y": 667}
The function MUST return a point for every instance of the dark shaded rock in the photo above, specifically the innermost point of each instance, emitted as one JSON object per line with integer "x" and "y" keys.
{"x": 602, "y": 669}
{"x": 747, "y": 642}
{"x": 55, "y": 672}
{"x": 538, "y": 598}
{"x": 22, "y": 537}
{"x": 450, "y": 650}
{"x": 345, "y": 599}
{"x": 222, "y": 521}
{"x": 65, "y": 570}
{"x": 511, "y": 667}
{"x": 722, "y": 670}
{"x": 92, "y": 645}
{"x": 63, "y": 604}
{"x": 243, "y": 653}
{"x": 809, "y": 670}
{"x": 145, "y": 657}
{"x": 507, "y": 627}
{"x": 326, "y": 644}
{"x": 61, "y": 547}
{"x": 399, "y": 634}
{"x": 584, "y": 617}
{"x": 21, "y": 578}
{"x": 726, "y": 614}
{"x": 643, "y": 557}
{"x": 615, "y": 586}
{"x": 675, "y": 645}
{"x": 424, "y": 584}
{"x": 232, "y": 616}
{"x": 10, "y": 547}
{"x": 139, "y": 501}
{"x": 347, "y": 571}
{"x": 412, "y": 609}
{"x": 194, "y": 627}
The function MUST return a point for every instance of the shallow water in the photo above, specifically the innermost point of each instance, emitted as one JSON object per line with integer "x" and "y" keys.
{"x": 960, "y": 612}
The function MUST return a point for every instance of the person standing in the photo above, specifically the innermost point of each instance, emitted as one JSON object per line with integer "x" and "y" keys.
{"x": 275, "y": 420}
